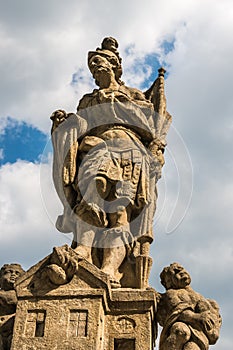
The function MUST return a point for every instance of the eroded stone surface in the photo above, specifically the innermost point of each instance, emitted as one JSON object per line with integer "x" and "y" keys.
{"x": 189, "y": 321}
{"x": 95, "y": 295}
{"x": 9, "y": 274}
{"x": 84, "y": 313}
{"x": 107, "y": 161}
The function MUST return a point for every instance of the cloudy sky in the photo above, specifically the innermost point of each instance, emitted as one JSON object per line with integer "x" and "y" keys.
{"x": 43, "y": 48}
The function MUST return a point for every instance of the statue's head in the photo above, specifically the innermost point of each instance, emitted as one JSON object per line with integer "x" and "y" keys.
{"x": 175, "y": 277}
{"x": 9, "y": 273}
{"x": 106, "y": 57}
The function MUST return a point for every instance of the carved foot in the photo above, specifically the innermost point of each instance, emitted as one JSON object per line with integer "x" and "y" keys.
{"x": 114, "y": 274}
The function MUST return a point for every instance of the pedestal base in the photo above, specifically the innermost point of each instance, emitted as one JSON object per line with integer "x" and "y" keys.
{"x": 85, "y": 313}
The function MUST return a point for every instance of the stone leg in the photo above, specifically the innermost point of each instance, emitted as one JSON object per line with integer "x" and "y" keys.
{"x": 84, "y": 237}
{"x": 191, "y": 346}
{"x": 91, "y": 208}
{"x": 90, "y": 216}
{"x": 114, "y": 252}
{"x": 179, "y": 336}
{"x": 112, "y": 259}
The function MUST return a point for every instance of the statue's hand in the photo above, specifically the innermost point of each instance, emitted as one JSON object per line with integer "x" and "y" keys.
{"x": 58, "y": 117}
{"x": 207, "y": 320}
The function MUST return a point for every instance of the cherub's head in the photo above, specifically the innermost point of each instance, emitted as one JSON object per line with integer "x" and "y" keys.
{"x": 9, "y": 273}
{"x": 175, "y": 277}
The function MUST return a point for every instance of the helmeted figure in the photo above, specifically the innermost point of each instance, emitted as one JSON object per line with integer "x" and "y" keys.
{"x": 107, "y": 161}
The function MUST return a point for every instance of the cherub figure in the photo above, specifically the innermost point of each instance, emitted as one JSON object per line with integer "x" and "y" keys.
{"x": 9, "y": 273}
{"x": 189, "y": 321}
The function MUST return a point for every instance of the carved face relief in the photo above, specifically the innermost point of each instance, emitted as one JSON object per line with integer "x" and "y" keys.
{"x": 110, "y": 44}
{"x": 9, "y": 276}
{"x": 180, "y": 277}
{"x": 99, "y": 64}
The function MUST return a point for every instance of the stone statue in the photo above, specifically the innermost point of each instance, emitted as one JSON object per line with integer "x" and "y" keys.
{"x": 189, "y": 321}
{"x": 108, "y": 157}
{"x": 9, "y": 273}
{"x": 107, "y": 161}
{"x": 62, "y": 267}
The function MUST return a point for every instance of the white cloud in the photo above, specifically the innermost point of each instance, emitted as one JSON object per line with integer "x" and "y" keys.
{"x": 40, "y": 51}
{"x": 3, "y": 126}
{"x": 27, "y": 231}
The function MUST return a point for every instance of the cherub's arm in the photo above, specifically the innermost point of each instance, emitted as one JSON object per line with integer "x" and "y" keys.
{"x": 167, "y": 303}
{"x": 189, "y": 316}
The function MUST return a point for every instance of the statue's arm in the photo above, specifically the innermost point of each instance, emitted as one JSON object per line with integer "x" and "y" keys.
{"x": 57, "y": 117}
{"x": 67, "y": 128}
{"x": 206, "y": 316}
{"x": 190, "y": 317}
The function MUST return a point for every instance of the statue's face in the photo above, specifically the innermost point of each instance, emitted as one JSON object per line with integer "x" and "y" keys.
{"x": 9, "y": 277}
{"x": 180, "y": 277}
{"x": 110, "y": 44}
{"x": 99, "y": 64}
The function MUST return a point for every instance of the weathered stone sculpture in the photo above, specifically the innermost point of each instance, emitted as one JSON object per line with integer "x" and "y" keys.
{"x": 9, "y": 273}
{"x": 95, "y": 295}
{"x": 189, "y": 321}
{"x": 107, "y": 161}
{"x": 61, "y": 268}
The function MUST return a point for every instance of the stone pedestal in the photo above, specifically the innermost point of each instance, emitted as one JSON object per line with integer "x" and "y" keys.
{"x": 85, "y": 313}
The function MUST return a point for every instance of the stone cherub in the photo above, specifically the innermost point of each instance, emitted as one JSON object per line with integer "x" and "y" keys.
{"x": 189, "y": 321}
{"x": 9, "y": 273}
{"x": 61, "y": 267}
{"x": 107, "y": 160}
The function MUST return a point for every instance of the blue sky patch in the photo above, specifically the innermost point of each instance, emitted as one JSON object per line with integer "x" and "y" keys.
{"x": 20, "y": 140}
{"x": 152, "y": 61}
{"x": 168, "y": 46}
{"x": 76, "y": 77}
